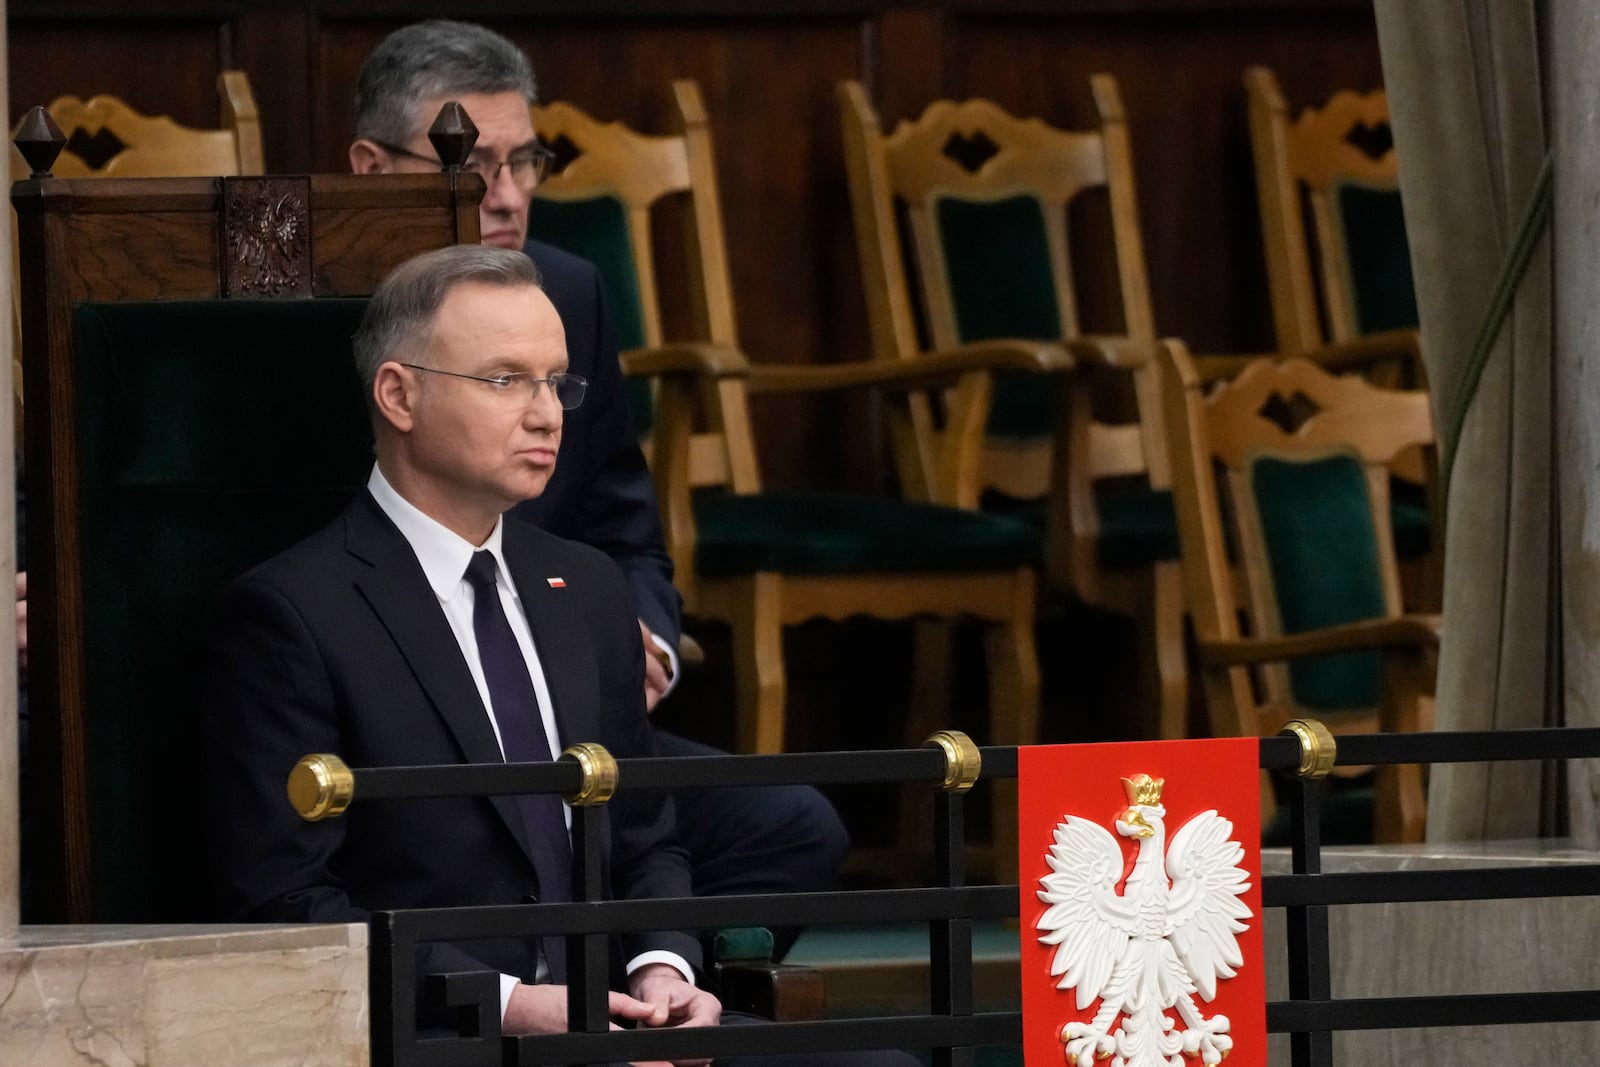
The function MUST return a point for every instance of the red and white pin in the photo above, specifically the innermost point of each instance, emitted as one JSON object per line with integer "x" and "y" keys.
{"x": 556, "y": 583}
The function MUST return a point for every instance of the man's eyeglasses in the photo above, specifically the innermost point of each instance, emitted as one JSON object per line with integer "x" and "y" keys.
{"x": 518, "y": 388}
{"x": 528, "y": 166}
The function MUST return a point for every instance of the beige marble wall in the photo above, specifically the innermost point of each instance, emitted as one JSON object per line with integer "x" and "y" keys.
{"x": 1478, "y": 946}
{"x": 147, "y": 996}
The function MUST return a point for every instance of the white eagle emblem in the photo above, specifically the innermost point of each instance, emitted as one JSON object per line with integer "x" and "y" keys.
{"x": 1170, "y": 934}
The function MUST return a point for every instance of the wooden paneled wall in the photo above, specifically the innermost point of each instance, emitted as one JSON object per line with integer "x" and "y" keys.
{"x": 768, "y": 69}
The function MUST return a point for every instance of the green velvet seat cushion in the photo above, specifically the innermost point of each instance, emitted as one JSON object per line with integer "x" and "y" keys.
{"x": 743, "y": 943}
{"x": 1138, "y": 525}
{"x": 597, "y": 230}
{"x": 1002, "y": 285}
{"x": 1379, "y": 257}
{"x": 819, "y": 533}
{"x": 1316, "y": 522}
{"x": 212, "y": 435}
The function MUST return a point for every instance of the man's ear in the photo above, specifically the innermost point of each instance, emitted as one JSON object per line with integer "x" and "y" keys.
{"x": 367, "y": 158}
{"x": 394, "y": 394}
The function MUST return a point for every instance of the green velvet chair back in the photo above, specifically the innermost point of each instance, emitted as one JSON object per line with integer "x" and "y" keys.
{"x": 212, "y": 435}
{"x": 1318, "y": 531}
{"x": 1371, "y": 224}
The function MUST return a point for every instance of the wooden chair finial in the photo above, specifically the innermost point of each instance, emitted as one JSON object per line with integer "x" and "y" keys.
{"x": 453, "y": 134}
{"x": 40, "y": 141}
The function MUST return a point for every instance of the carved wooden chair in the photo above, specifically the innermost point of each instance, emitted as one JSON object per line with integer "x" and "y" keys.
{"x": 1283, "y": 474}
{"x": 765, "y": 559}
{"x": 1339, "y": 271}
{"x": 108, "y": 139}
{"x": 985, "y": 200}
{"x": 175, "y": 437}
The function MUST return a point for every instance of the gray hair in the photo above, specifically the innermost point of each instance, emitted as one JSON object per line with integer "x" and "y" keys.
{"x": 398, "y": 322}
{"x": 428, "y": 61}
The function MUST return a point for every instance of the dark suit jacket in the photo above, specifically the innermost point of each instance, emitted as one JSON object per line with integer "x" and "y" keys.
{"x": 339, "y": 645}
{"x": 601, "y": 493}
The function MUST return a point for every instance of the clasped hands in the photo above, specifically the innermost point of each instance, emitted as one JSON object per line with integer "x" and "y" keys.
{"x": 660, "y": 997}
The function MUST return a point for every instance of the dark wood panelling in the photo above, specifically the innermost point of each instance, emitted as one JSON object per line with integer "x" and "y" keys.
{"x": 162, "y": 68}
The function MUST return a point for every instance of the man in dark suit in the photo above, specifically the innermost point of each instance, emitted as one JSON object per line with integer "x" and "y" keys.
{"x": 426, "y": 627}
{"x": 739, "y": 841}
{"x": 365, "y": 640}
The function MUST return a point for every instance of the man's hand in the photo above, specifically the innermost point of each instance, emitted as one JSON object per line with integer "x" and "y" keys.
{"x": 676, "y": 1002}
{"x": 542, "y": 1009}
{"x": 661, "y": 998}
{"x": 657, "y": 669}
{"x": 22, "y": 620}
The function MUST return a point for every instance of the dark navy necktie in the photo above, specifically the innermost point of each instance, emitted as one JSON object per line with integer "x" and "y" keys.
{"x": 522, "y": 736}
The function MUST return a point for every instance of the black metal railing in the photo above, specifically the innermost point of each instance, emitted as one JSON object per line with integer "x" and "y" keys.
{"x": 951, "y": 1027}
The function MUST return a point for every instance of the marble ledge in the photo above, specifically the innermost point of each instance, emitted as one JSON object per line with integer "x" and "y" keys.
{"x": 1451, "y": 947}
{"x": 176, "y": 996}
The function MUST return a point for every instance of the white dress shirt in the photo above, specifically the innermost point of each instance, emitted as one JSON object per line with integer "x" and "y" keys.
{"x": 444, "y": 556}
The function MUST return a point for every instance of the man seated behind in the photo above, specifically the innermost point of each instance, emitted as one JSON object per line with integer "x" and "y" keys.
{"x": 423, "y": 627}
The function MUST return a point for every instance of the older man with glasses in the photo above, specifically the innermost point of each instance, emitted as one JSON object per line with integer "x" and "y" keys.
{"x": 739, "y": 840}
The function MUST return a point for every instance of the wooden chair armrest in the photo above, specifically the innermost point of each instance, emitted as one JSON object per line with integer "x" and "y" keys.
{"x": 1407, "y": 631}
{"x": 1115, "y": 351}
{"x": 782, "y": 992}
{"x": 924, "y": 372}
{"x": 685, "y": 357}
{"x": 1362, "y": 352}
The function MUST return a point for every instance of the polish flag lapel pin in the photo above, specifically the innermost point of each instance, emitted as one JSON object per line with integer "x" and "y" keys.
{"x": 556, "y": 583}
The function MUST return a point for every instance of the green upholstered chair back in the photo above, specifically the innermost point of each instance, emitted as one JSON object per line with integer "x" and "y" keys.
{"x": 1372, "y": 226}
{"x": 1318, "y": 532}
{"x": 212, "y": 435}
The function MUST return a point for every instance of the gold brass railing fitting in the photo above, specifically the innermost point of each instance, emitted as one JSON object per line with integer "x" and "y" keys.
{"x": 962, "y": 760}
{"x": 599, "y": 774}
{"x": 320, "y": 786}
{"x": 1317, "y": 747}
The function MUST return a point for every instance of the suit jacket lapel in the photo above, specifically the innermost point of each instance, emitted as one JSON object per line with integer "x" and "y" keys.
{"x": 564, "y": 654}
{"x": 399, "y": 594}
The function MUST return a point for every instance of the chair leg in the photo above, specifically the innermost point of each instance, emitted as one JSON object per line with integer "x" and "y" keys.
{"x": 1013, "y": 663}
{"x": 1166, "y": 638}
{"x": 930, "y": 709}
{"x": 1401, "y": 808}
{"x": 758, "y": 666}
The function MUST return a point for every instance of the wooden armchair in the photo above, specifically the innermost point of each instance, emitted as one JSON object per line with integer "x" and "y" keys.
{"x": 762, "y": 559}
{"x": 176, "y": 436}
{"x": 1282, "y": 475}
{"x": 988, "y": 200}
